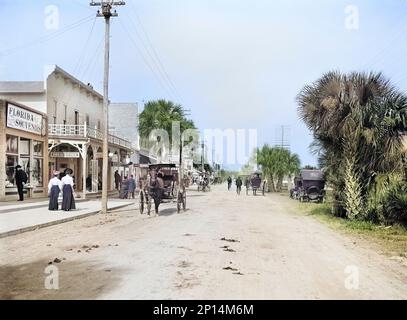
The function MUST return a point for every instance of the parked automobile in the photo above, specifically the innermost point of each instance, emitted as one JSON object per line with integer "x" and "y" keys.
{"x": 311, "y": 186}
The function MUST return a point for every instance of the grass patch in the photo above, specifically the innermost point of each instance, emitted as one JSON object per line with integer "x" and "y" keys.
{"x": 392, "y": 240}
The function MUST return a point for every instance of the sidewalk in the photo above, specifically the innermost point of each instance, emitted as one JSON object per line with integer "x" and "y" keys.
{"x": 17, "y": 221}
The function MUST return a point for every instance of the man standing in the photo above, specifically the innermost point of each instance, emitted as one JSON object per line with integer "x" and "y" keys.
{"x": 132, "y": 186}
{"x": 117, "y": 179}
{"x": 21, "y": 179}
{"x": 239, "y": 183}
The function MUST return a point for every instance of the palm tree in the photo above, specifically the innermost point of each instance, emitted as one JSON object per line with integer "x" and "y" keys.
{"x": 277, "y": 162}
{"x": 360, "y": 112}
{"x": 161, "y": 114}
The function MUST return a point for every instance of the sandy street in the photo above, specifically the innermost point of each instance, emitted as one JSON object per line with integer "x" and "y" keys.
{"x": 272, "y": 253}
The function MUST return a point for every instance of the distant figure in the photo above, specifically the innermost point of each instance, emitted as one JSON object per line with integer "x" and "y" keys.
{"x": 229, "y": 182}
{"x": 68, "y": 201}
{"x": 239, "y": 183}
{"x": 124, "y": 189}
{"x": 21, "y": 179}
{"x": 132, "y": 186}
{"x": 246, "y": 182}
{"x": 117, "y": 179}
{"x": 54, "y": 188}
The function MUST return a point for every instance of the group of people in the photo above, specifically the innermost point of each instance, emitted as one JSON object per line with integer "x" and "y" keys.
{"x": 125, "y": 186}
{"x": 254, "y": 181}
{"x": 65, "y": 185}
{"x": 238, "y": 183}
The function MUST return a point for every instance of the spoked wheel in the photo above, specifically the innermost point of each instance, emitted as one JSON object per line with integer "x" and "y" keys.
{"x": 148, "y": 203}
{"x": 141, "y": 202}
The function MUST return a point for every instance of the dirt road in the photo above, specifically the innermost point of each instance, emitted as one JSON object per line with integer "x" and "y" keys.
{"x": 272, "y": 253}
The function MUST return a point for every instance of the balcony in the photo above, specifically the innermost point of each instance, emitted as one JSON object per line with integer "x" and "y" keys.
{"x": 83, "y": 131}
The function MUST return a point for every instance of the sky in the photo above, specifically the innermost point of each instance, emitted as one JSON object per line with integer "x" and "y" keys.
{"x": 233, "y": 63}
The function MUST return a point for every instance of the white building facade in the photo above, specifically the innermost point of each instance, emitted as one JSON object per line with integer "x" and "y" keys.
{"x": 75, "y": 127}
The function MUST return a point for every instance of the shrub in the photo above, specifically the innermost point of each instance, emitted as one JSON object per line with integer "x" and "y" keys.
{"x": 395, "y": 204}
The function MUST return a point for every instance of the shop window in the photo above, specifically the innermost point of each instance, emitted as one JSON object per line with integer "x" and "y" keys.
{"x": 37, "y": 167}
{"x": 37, "y": 172}
{"x": 25, "y": 165}
{"x": 12, "y": 144}
{"x": 38, "y": 148}
{"x": 11, "y": 162}
{"x": 24, "y": 147}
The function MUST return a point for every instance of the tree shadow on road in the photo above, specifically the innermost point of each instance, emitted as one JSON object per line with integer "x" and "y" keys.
{"x": 77, "y": 280}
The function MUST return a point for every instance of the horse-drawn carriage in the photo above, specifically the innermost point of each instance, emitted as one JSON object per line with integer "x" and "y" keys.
{"x": 254, "y": 182}
{"x": 162, "y": 184}
{"x": 309, "y": 186}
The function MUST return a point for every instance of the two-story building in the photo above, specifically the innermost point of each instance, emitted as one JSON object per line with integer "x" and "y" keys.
{"x": 75, "y": 127}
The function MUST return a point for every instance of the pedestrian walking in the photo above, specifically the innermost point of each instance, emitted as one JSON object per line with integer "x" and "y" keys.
{"x": 117, "y": 179}
{"x": 132, "y": 186}
{"x": 229, "y": 182}
{"x": 68, "y": 201}
{"x": 247, "y": 184}
{"x": 54, "y": 188}
{"x": 239, "y": 183}
{"x": 21, "y": 179}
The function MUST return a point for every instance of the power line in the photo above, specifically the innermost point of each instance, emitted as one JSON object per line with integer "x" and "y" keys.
{"x": 153, "y": 60}
{"x": 154, "y": 51}
{"x": 159, "y": 80}
{"x": 83, "y": 53}
{"x": 46, "y": 38}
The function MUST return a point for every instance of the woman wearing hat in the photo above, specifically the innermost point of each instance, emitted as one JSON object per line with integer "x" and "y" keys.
{"x": 68, "y": 201}
{"x": 54, "y": 188}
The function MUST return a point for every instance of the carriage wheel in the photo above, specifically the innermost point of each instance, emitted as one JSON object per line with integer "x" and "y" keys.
{"x": 174, "y": 194}
{"x": 141, "y": 202}
{"x": 179, "y": 200}
{"x": 148, "y": 202}
{"x": 184, "y": 201}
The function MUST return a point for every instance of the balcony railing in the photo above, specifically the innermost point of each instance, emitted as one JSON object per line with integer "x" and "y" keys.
{"x": 83, "y": 131}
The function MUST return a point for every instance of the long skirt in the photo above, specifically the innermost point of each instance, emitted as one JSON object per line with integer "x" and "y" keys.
{"x": 68, "y": 201}
{"x": 53, "y": 198}
{"x": 124, "y": 193}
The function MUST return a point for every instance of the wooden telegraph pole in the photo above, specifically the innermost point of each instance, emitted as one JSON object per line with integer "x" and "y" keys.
{"x": 106, "y": 12}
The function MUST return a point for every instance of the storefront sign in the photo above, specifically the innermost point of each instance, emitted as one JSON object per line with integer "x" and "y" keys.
{"x": 22, "y": 119}
{"x": 60, "y": 154}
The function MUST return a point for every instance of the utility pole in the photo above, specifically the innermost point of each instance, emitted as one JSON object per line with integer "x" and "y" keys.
{"x": 203, "y": 156}
{"x": 106, "y": 12}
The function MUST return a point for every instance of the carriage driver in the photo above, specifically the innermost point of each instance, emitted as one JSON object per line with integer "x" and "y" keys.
{"x": 158, "y": 190}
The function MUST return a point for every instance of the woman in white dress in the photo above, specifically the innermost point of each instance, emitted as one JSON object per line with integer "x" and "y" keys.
{"x": 54, "y": 188}
{"x": 68, "y": 201}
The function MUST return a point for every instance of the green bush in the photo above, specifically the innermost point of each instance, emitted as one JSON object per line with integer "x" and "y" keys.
{"x": 395, "y": 204}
